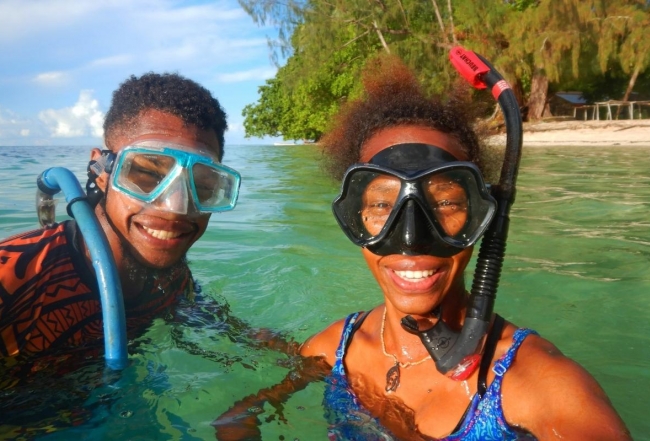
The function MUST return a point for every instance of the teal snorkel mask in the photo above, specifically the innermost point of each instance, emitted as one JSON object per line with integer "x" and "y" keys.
{"x": 169, "y": 177}
{"x": 419, "y": 217}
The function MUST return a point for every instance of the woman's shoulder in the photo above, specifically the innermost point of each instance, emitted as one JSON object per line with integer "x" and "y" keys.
{"x": 537, "y": 362}
{"x": 545, "y": 389}
{"x": 325, "y": 343}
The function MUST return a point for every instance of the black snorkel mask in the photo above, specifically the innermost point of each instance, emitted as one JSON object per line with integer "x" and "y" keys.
{"x": 414, "y": 199}
{"x": 426, "y": 221}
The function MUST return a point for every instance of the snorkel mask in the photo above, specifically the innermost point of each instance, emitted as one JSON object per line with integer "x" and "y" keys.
{"x": 425, "y": 201}
{"x": 414, "y": 199}
{"x": 169, "y": 177}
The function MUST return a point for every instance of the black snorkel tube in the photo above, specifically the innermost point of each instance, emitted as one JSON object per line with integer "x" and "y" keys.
{"x": 458, "y": 354}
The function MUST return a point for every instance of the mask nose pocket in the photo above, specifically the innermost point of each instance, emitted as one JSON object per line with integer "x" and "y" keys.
{"x": 412, "y": 228}
{"x": 175, "y": 197}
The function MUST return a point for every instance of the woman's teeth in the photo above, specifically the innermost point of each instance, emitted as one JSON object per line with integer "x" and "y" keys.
{"x": 414, "y": 275}
{"x": 162, "y": 234}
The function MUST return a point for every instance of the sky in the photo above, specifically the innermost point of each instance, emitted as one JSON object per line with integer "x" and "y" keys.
{"x": 60, "y": 61}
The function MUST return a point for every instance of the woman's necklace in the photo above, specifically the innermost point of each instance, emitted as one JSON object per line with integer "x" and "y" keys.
{"x": 392, "y": 376}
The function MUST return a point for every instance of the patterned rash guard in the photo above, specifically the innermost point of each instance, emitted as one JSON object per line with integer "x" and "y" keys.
{"x": 49, "y": 296}
{"x": 483, "y": 421}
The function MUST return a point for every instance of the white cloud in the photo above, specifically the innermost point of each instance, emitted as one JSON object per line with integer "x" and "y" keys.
{"x": 260, "y": 73}
{"x": 24, "y": 132}
{"x": 82, "y": 119}
{"x": 51, "y": 78}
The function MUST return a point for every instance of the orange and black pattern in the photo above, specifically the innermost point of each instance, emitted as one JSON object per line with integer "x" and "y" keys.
{"x": 49, "y": 297}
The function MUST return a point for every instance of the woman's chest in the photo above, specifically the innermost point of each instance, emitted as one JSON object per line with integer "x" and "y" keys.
{"x": 423, "y": 399}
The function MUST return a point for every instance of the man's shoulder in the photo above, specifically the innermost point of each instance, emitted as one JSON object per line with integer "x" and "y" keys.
{"x": 31, "y": 237}
{"x": 29, "y": 251}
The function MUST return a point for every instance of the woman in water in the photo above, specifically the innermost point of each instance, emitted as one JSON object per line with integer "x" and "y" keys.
{"x": 414, "y": 199}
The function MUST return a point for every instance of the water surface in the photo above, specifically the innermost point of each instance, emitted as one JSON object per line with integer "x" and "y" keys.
{"x": 576, "y": 271}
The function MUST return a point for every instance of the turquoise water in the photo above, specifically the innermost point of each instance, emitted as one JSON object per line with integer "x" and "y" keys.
{"x": 576, "y": 271}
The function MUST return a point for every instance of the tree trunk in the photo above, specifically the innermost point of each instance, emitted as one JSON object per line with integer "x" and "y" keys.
{"x": 629, "y": 89}
{"x": 538, "y": 93}
{"x": 518, "y": 90}
{"x": 440, "y": 22}
{"x": 381, "y": 37}
{"x": 451, "y": 23}
{"x": 633, "y": 78}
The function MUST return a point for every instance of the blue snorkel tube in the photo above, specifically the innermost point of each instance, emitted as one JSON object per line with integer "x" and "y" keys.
{"x": 455, "y": 354}
{"x": 50, "y": 182}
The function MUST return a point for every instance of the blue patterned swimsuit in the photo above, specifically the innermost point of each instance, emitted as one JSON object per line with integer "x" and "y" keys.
{"x": 483, "y": 420}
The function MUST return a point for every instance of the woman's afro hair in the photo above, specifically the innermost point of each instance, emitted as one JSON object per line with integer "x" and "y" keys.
{"x": 392, "y": 96}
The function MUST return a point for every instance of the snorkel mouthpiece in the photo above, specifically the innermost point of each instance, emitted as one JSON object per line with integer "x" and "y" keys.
{"x": 455, "y": 355}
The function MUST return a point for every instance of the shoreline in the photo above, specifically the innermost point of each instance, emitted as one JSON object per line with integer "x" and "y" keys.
{"x": 624, "y": 133}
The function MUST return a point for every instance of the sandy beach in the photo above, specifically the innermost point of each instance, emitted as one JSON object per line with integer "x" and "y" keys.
{"x": 586, "y": 133}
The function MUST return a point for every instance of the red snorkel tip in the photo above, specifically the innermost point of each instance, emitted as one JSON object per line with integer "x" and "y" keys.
{"x": 465, "y": 368}
{"x": 469, "y": 65}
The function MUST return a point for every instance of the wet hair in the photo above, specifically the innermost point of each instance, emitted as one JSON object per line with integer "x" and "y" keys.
{"x": 392, "y": 96}
{"x": 171, "y": 93}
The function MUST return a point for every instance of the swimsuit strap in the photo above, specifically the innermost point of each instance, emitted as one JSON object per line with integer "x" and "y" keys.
{"x": 348, "y": 330}
{"x": 488, "y": 354}
{"x": 486, "y": 409}
{"x": 502, "y": 364}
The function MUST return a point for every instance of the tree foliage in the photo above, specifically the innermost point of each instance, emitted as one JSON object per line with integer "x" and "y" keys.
{"x": 539, "y": 45}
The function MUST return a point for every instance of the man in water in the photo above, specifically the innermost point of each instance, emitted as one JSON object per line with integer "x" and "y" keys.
{"x": 154, "y": 189}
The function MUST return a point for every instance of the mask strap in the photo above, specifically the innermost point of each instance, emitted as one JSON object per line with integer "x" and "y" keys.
{"x": 95, "y": 168}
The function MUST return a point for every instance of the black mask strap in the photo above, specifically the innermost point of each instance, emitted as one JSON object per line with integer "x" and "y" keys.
{"x": 95, "y": 168}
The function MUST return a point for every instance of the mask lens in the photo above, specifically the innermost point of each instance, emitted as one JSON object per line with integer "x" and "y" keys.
{"x": 349, "y": 208}
{"x": 448, "y": 199}
{"x": 379, "y": 199}
{"x": 214, "y": 187}
{"x": 142, "y": 173}
{"x": 461, "y": 209}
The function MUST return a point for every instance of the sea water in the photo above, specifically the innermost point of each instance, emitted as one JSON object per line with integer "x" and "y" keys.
{"x": 577, "y": 271}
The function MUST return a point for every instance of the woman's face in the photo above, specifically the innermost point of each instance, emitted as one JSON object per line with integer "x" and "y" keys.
{"x": 415, "y": 285}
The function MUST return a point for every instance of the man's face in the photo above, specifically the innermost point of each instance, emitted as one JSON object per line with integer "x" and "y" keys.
{"x": 155, "y": 237}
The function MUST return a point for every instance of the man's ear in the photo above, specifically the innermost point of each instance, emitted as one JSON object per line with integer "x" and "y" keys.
{"x": 102, "y": 179}
{"x": 95, "y": 153}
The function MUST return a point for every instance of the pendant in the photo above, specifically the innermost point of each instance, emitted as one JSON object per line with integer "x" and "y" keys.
{"x": 392, "y": 378}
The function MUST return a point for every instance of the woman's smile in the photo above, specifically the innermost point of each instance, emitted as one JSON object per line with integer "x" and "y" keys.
{"x": 415, "y": 281}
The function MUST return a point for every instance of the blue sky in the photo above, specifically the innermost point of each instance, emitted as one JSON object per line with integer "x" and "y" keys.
{"x": 60, "y": 61}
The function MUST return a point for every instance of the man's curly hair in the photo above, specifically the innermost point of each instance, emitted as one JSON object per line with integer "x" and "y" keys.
{"x": 392, "y": 96}
{"x": 171, "y": 93}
